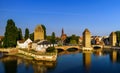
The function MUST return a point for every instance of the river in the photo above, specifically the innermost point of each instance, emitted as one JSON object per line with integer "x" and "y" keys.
{"x": 67, "y": 62}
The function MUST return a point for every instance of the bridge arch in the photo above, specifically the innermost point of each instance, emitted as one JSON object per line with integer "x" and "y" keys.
{"x": 60, "y": 49}
{"x": 66, "y": 47}
{"x": 97, "y": 46}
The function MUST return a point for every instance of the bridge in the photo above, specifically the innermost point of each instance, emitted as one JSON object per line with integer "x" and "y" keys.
{"x": 67, "y": 47}
{"x": 78, "y": 47}
{"x": 97, "y": 46}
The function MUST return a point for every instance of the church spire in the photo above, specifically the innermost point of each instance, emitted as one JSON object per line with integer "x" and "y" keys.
{"x": 62, "y": 31}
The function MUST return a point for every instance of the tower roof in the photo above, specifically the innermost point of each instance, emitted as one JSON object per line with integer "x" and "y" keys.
{"x": 86, "y": 31}
{"x": 38, "y": 28}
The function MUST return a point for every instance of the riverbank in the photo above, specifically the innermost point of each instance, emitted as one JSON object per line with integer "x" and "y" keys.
{"x": 31, "y": 55}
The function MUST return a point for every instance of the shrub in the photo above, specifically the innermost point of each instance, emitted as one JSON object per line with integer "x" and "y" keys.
{"x": 50, "y": 49}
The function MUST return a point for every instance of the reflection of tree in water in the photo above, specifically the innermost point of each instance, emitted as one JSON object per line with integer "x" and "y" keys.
{"x": 17, "y": 64}
{"x": 10, "y": 64}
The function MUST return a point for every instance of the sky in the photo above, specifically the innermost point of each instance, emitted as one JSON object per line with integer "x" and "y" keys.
{"x": 101, "y": 17}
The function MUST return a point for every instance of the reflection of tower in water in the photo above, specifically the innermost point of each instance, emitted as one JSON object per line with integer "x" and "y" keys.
{"x": 87, "y": 60}
{"x": 114, "y": 56}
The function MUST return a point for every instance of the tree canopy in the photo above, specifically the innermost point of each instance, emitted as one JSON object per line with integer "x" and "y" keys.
{"x": 11, "y": 34}
{"x": 26, "y": 34}
{"x": 32, "y": 36}
{"x": 44, "y": 28}
{"x": 118, "y": 37}
{"x": 53, "y": 38}
{"x": 20, "y": 37}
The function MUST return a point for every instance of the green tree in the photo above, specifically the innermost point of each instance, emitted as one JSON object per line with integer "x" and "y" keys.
{"x": 44, "y": 28}
{"x": 118, "y": 37}
{"x": 53, "y": 38}
{"x": 48, "y": 38}
{"x": 32, "y": 36}
{"x": 76, "y": 38}
{"x": 26, "y": 33}
{"x": 11, "y": 34}
{"x": 20, "y": 37}
{"x": 73, "y": 42}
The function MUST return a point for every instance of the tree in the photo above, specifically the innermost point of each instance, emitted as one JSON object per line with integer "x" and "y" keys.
{"x": 26, "y": 34}
{"x": 73, "y": 42}
{"x": 44, "y": 28}
{"x": 53, "y": 38}
{"x": 20, "y": 37}
{"x": 11, "y": 34}
{"x": 118, "y": 37}
{"x": 48, "y": 38}
{"x": 32, "y": 36}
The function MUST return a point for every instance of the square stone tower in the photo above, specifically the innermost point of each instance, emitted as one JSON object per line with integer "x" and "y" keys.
{"x": 113, "y": 39}
{"x": 86, "y": 38}
{"x": 38, "y": 33}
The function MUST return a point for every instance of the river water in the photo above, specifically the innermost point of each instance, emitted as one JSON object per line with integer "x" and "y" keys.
{"x": 67, "y": 62}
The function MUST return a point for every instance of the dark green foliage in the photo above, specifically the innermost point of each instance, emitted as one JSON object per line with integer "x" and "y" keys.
{"x": 20, "y": 37}
{"x": 53, "y": 38}
{"x": 50, "y": 49}
{"x": 32, "y": 36}
{"x": 44, "y": 28}
{"x": 118, "y": 37}
{"x": 11, "y": 34}
{"x": 26, "y": 34}
{"x": 48, "y": 38}
{"x": 72, "y": 40}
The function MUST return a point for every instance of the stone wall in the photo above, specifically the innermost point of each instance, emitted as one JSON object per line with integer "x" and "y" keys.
{"x": 39, "y": 57}
{"x": 44, "y": 57}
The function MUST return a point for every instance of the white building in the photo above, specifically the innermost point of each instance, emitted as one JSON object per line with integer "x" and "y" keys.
{"x": 42, "y": 45}
{"x": 24, "y": 44}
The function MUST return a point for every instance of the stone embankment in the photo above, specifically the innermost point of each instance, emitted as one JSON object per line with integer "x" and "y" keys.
{"x": 44, "y": 57}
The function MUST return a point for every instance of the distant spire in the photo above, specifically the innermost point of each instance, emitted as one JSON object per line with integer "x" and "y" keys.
{"x": 62, "y": 31}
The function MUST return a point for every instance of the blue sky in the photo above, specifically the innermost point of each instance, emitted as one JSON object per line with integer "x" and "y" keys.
{"x": 101, "y": 17}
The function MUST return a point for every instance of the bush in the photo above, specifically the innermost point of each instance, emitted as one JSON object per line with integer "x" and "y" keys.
{"x": 50, "y": 49}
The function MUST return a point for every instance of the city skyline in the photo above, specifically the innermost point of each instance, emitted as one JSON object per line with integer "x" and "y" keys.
{"x": 101, "y": 17}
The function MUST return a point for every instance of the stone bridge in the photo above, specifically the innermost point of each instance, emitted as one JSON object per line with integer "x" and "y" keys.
{"x": 66, "y": 47}
{"x": 101, "y": 46}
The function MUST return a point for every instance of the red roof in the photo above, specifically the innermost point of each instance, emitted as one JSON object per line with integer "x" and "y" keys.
{"x": 1, "y": 37}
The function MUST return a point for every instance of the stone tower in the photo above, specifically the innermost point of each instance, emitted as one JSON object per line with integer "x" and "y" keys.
{"x": 86, "y": 38}
{"x": 113, "y": 39}
{"x": 38, "y": 33}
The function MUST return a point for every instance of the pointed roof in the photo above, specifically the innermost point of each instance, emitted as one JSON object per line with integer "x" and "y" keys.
{"x": 39, "y": 28}
{"x": 86, "y": 31}
{"x": 113, "y": 33}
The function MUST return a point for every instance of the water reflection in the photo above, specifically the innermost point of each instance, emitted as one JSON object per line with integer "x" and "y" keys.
{"x": 14, "y": 64}
{"x": 87, "y": 60}
{"x": 10, "y": 66}
{"x": 99, "y": 61}
{"x": 115, "y": 56}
